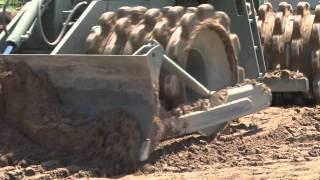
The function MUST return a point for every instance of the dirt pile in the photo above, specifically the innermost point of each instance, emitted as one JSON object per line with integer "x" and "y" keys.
{"x": 32, "y": 117}
{"x": 284, "y": 74}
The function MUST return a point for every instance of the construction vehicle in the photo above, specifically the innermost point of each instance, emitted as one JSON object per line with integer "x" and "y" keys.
{"x": 150, "y": 63}
{"x": 290, "y": 39}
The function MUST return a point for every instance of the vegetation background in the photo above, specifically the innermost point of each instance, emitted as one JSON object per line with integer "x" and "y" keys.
{"x": 13, "y": 4}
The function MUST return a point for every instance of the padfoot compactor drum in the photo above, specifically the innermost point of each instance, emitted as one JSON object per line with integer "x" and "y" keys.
{"x": 197, "y": 39}
{"x": 290, "y": 36}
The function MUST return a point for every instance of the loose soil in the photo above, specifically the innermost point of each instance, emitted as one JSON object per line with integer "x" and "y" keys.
{"x": 35, "y": 128}
{"x": 284, "y": 74}
{"x": 275, "y": 143}
{"x": 38, "y": 140}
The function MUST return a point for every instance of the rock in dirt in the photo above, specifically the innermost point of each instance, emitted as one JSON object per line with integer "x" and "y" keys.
{"x": 29, "y": 172}
{"x": 48, "y": 165}
{"x": 4, "y": 161}
{"x": 23, "y": 163}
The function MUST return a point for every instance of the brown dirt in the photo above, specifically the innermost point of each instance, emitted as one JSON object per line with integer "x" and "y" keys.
{"x": 285, "y": 74}
{"x": 273, "y": 142}
{"x": 34, "y": 126}
{"x": 274, "y": 135}
{"x": 201, "y": 105}
{"x": 219, "y": 98}
{"x": 38, "y": 140}
{"x": 278, "y": 142}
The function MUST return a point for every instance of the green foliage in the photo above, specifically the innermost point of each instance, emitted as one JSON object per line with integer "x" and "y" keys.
{"x": 12, "y": 4}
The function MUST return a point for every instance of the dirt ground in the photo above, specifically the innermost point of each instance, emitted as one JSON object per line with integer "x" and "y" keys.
{"x": 275, "y": 143}
{"x": 38, "y": 140}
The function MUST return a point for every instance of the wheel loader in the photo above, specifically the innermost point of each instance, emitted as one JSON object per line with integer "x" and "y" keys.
{"x": 173, "y": 67}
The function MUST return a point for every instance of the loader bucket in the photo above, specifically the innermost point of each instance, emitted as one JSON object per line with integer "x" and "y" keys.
{"x": 89, "y": 84}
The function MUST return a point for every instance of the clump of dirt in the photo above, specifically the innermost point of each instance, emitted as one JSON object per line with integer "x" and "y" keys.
{"x": 32, "y": 117}
{"x": 200, "y": 105}
{"x": 284, "y": 74}
{"x": 217, "y": 98}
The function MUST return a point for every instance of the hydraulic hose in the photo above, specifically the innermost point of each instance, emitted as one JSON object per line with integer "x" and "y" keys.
{"x": 64, "y": 28}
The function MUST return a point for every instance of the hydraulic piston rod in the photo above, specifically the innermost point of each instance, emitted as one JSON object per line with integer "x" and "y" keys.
{"x": 190, "y": 81}
{"x": 26, "y": 21}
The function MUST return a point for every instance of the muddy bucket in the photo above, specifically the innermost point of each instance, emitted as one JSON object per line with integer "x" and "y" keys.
{"x": 90, "y": 84}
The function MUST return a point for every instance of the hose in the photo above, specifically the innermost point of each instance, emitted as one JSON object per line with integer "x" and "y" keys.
{"x": 64, "y": 28}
